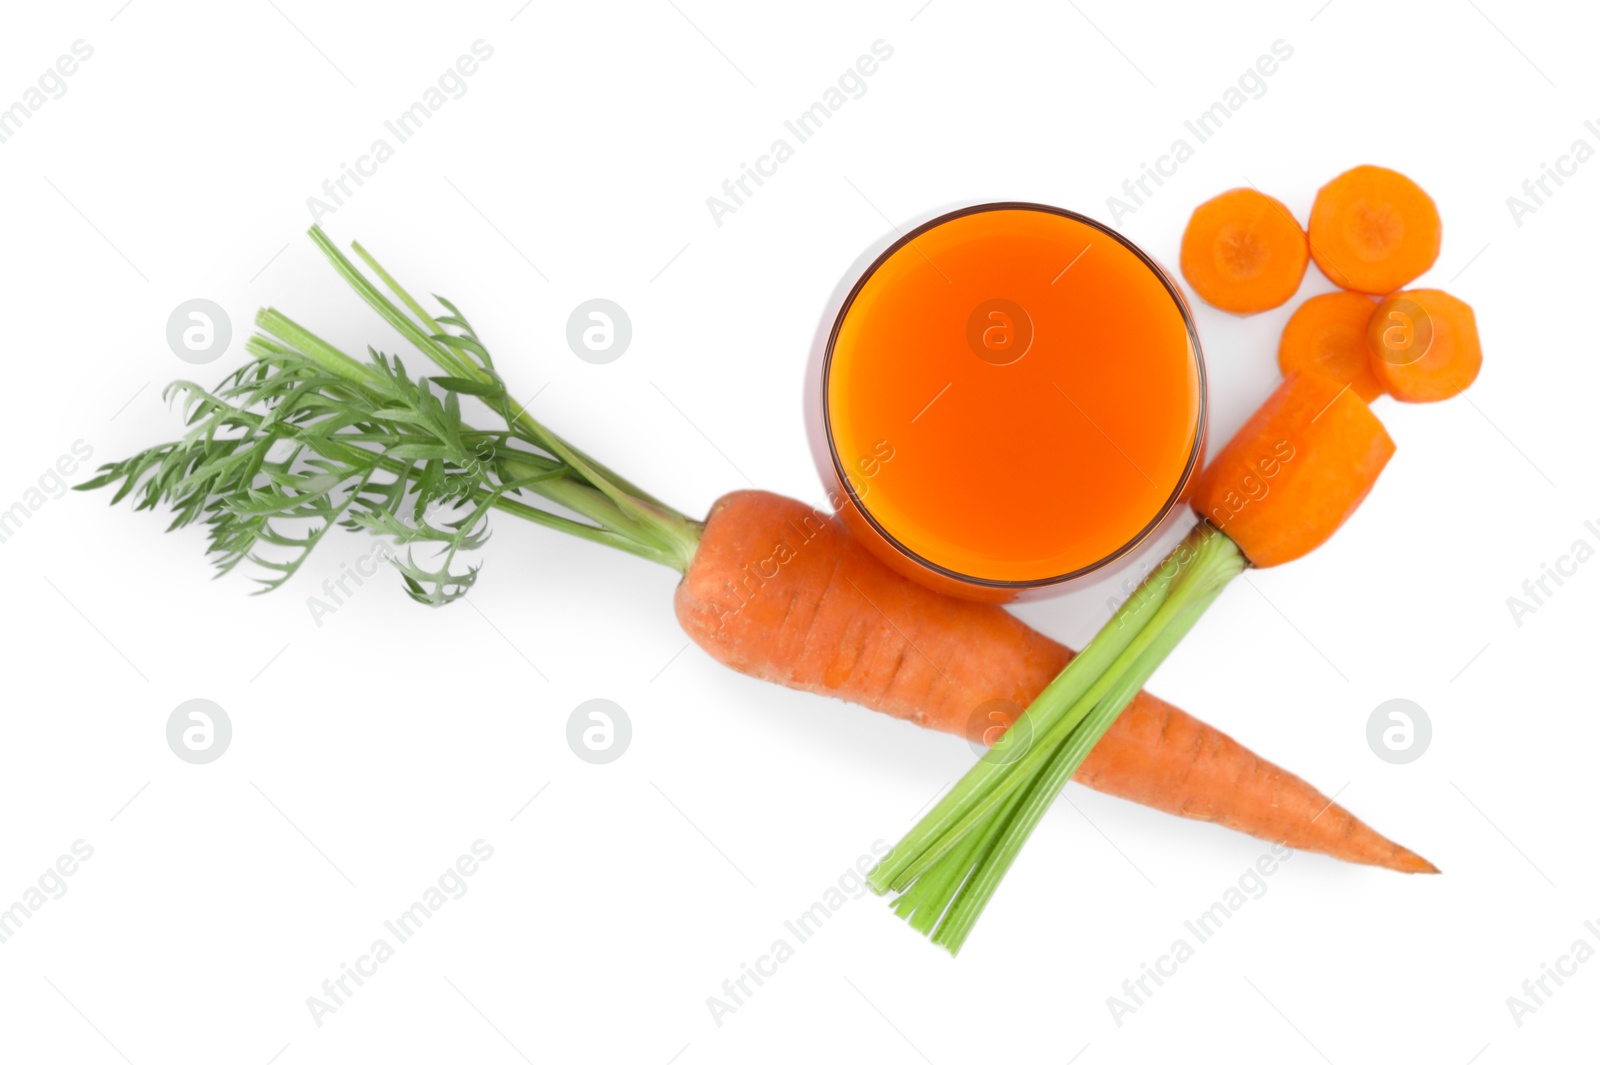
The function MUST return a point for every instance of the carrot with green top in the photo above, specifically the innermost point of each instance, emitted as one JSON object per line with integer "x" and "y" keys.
{"x": 305, "y": 437}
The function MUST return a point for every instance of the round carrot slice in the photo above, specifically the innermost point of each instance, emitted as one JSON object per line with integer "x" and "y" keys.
{"x": 1373, "y": 230}
{"x": 1243, "y": 252}
{"x": 1423, "y": 345}
{"x": 1327, "y": 334}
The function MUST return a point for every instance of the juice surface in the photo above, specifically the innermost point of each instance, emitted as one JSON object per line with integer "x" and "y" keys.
{"x": 1035, "y": 384}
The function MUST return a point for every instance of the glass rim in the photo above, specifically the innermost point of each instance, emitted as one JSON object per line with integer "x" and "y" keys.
{"x": 1195, "y": 446}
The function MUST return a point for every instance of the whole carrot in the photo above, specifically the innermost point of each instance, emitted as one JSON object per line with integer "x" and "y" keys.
{"x": 782, "y": 593}
{"x": 305, "y": 437}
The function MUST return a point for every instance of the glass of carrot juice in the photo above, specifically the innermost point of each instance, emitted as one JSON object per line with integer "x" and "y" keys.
{"x": 1012, "y": 398}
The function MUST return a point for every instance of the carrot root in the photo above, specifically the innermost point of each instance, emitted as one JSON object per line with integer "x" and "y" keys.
{"x": 783, "y": 593}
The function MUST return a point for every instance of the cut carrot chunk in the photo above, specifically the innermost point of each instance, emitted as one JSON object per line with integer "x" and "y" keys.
{"x": 1296, "y": 470}
{"x": 1327, "y": 334}
{"x": 1243, "y": 252}
{"x": 1423, "y": 345}
{"x": 1373, "y": 230}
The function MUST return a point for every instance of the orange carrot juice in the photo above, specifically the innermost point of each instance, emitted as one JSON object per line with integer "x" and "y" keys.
{"x": 1013, "y": 396}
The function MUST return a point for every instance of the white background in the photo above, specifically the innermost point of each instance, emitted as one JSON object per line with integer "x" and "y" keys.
{"x": 369, "y": 752}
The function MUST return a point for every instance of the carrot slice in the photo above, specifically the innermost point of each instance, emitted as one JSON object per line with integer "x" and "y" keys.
{"x": 1296, "y": 470}
{"x": 1243, "y": 252}
{"x": 1373, "y": 230}
{"x": 1327, "y": 334}
{"x": 1423, "y": 345}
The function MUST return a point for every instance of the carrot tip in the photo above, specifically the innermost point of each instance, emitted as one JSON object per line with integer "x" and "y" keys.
{"x": 1408, "y": 861}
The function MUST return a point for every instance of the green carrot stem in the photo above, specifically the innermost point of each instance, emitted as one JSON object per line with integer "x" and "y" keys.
{"x": 669, "y": 535}
{"x": 1001, "y": 762}
{"x": 394, "y": 286}
{"x": 954, "y": 858}
{"x": 642, "y": 527}
{"x": 419, "y": 337}
{"x": 933, "y": 892}
{"x": 616, "y": 528}
{"x": 314, "y": 347}
{"x": 981, "y": 886}
{"x": 307, "y": 433}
